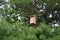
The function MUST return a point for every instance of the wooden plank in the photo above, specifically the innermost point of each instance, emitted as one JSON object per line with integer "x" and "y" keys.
{"x": 33, "y": 19}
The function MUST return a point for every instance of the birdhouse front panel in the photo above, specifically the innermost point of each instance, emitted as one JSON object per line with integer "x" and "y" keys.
{"x": 33, "y": 19}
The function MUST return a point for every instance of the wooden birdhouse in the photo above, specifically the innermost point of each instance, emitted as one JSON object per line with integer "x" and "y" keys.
{"x": 33, "y": 19}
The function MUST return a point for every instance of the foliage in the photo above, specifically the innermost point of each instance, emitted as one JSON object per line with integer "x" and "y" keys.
{"x": 19, "y": 31}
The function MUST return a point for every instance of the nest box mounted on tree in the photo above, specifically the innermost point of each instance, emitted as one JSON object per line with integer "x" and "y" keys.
{"x": 33, "y": 19}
